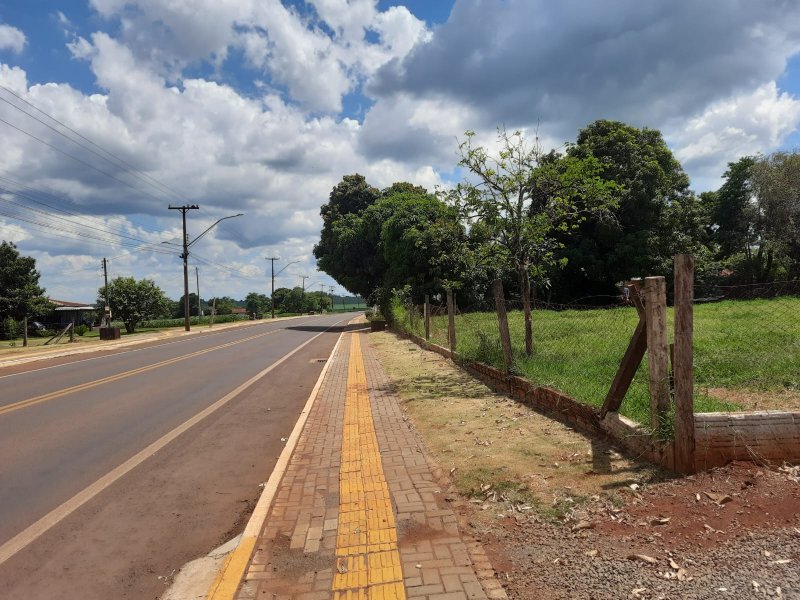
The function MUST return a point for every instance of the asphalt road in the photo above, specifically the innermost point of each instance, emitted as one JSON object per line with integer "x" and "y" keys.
{"x": 81, "y": 518}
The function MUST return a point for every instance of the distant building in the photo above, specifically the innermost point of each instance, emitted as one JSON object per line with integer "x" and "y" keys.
{"x": 66, "y": 312}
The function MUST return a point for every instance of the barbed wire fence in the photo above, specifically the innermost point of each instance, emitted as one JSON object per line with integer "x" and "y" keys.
{"x": 746, "y": 345}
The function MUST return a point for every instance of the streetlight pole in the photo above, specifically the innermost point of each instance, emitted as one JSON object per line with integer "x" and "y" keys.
{"x": 272, "y": 259}
{"x": 304, "y": 277}
{"x": 197, "y": 276}
{"x": 185, "y": 255}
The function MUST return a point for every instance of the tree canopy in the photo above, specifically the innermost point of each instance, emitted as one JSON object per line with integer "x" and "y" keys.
{"x": 399, "y": 236}
{"x": 638, "y": 240}
{"x": 20, "y": 293}
{"x": 134, "y": 301}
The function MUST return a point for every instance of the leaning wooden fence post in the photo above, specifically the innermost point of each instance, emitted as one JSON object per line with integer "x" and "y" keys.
{"x": 655, "y": 293}
{"x": 502, "y": 319}
{"x": 427, "y": 310}
{"x": 451, "y": 320}
{"x": 682, "y": 366}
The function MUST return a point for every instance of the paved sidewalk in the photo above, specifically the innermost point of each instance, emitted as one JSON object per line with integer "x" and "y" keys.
{"x": 359, "y": 513}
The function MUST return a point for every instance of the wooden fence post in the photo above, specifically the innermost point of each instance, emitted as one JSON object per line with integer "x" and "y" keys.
{"x": 682, "y": 366}
{"x": 427, "y": 311}
{"x": 502, "y": 318}
{"x": 451, "y": 320}
{"x": 631, "y": 360}
{"x": 25, "y": 331}
{"x": 655, "y": 293}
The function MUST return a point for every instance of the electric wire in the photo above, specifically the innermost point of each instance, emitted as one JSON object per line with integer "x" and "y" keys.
{"x": 119, "y": 162}
{"x": 80, "y": 160}
{"x": 73, "y": 225}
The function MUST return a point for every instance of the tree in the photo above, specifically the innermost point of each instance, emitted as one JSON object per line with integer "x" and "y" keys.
{"x": 420, "y": 240}
{"x": 224, "y": 305}
{"x": 317, "y": 302}
{"x": 344, "y": 252}
{"x": 776, "y": 182}
{"x": 20, "y": 294}
{"x": 638, "y": 241}
{"x": 527, "y": 201}
{"x": 279, "y": 298}
{"x": 194, "y": 307}
{"x": 257, "y": 304}
{"x": 400, "y": 236}
{"x": 134, "y": 301}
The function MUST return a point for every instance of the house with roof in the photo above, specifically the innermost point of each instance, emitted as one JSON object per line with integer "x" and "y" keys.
{"x": 65, "y": 312}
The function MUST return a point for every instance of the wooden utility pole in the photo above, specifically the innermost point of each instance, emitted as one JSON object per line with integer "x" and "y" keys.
{"x": 682, "y": 366}
{"x": 185, "y": 257}
{"x": 502, "y": 319}
{"x": 107, "y": 310}
{"x": 655, "y": 305}
{"x": 427, "y": 311}
{"x": 451, "y": 320}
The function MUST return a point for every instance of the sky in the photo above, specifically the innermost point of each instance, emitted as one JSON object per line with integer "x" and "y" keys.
{"x": 113, "y": 110}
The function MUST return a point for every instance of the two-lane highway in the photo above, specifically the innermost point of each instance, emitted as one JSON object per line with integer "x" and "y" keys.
{"x": 118, "y": 468}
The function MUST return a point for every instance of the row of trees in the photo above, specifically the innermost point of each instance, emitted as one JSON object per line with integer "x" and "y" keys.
{"x": 567, "y": 224}
{"x": 132, "y": 301}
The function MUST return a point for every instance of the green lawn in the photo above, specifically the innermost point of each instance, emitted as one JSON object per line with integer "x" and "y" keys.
{"x": 749, "y": 345}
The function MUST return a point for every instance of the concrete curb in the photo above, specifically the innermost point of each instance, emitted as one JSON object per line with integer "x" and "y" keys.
{"x": 233, "y": 569}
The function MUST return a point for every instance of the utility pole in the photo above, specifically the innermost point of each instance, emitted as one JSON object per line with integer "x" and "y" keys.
{"x": 272, "y": 259}
{"x": 304, "y": 277}
{"x": 185, "y": 257}
{"x": 107, "y": 310}
{"x": 197, "y": 276}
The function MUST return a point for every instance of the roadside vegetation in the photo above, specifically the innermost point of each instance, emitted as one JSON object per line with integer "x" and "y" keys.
{"x": 578, "y": 351}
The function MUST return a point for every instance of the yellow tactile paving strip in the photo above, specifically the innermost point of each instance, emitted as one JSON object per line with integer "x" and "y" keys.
{"x": 367, "y": 558}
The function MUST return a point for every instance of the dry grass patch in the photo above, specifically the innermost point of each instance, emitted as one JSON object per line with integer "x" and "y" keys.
{"x": 757, "y": 400}
{"x": 496, "y": 449}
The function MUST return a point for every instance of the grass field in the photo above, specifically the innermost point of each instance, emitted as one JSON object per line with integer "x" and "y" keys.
{"x": 745, "y": 352}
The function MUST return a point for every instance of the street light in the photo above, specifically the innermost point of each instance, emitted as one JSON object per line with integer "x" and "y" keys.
{"x": 185, "y": 255}
{"x": 272, "y": 259}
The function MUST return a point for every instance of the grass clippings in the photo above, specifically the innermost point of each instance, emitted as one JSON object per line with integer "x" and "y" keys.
{"x": 499, "y": 452}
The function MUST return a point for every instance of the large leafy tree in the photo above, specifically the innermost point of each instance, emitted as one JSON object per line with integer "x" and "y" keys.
{"x": 385, "y": 240}
{"x": 755, "y": 218}
{"x": 639, "y": 240}
{"x": 257, "y": 303}
{"x": 179, "y": 307}
{"x": 20, "y": 293}
{"x": 527, "y": 202}
{"x": 776, "y": 181}
{"x": 350, "y": 258}
{"x": 133, "y": 301}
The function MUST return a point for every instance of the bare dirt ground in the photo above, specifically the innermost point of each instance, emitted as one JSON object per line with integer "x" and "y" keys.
{"x": 566, "y": 516}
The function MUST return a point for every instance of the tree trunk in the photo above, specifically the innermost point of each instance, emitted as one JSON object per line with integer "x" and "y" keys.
{"x": 525, "y": 289}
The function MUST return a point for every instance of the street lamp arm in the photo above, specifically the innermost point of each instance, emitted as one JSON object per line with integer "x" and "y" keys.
{"x": 212, "y": 227}
{"x": 284, "y": 268}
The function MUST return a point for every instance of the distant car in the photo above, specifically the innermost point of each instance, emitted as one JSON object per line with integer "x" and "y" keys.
{"x": 34, "y": 326}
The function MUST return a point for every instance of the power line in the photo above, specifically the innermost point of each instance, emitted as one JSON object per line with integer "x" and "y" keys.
{"x": 80, "y": 160}
{"x": 139, "y": 174}
{"x": 74, "y": 227}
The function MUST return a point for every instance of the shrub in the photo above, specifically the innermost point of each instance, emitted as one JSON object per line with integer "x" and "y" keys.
{"x": 9, "y": 329}
{"x": 81, "y": 329}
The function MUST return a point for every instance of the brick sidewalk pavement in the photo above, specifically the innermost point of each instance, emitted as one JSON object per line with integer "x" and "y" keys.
{"x": 358, "y": 510}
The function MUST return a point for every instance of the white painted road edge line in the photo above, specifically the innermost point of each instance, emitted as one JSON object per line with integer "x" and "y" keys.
{"x": 233, "y": 570}
{"x": 32, "y": 532}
